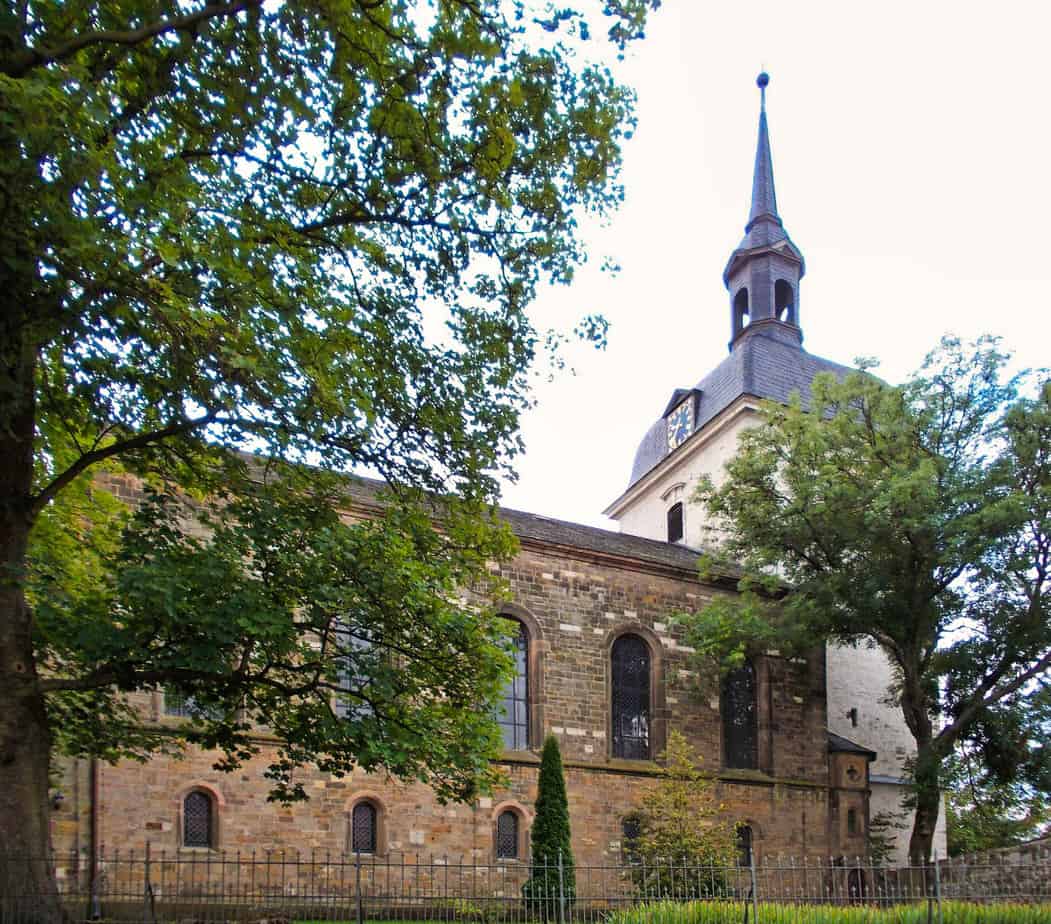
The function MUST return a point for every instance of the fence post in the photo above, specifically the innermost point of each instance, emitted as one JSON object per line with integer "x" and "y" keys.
{"x": 938, "y": 886}
{"x": 561, "y": 892}
{"x": 357, "y": 885}
{"x": 147, "y": 890}
{"x": 755, "y": 886}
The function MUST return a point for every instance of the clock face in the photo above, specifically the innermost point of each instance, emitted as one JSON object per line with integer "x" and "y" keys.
{"x": 680, "y": 423}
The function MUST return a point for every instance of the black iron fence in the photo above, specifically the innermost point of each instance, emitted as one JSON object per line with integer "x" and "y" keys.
{"x": 290, "y": 887}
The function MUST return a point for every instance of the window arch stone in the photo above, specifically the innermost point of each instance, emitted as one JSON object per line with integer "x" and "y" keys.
{"x": 658, "y": 717}
{"x": 198, "y": 811}
{"x": 523, "y": 822}
{"x": 366, "y": 809}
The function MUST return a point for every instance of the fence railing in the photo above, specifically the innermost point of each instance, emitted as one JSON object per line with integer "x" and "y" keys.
{"x": 290, "y": 887}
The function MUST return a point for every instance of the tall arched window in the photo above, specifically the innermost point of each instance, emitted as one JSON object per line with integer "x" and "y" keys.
{"x": 513, "y": 716}
{"x": 630, "y": 665}
{"x": 675, "y": 529}
{"x": 363, "y": 828}
{"x": 740, "y": 734}
{"x": 198, "y": 821}
{"x": 507, "y": 835}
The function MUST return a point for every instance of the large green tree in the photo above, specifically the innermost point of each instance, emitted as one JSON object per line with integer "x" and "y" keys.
{"x": 306, "y": 230}
{"x": 916, "y": 518}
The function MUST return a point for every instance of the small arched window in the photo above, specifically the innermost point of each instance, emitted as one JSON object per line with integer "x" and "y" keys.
{"x": 675, "y": 524}
{"x": 784, "y": 302}
{"x": 513, "y": 716}
{"x": 198, "y": 820}
{"x": 507, "y": 835}
{"x": 852, "y": 821}
{"x": 363, "y": 828}
{"x": 631, "y": 698}
{"x": 744, "y": 845}
{"x": 740, "y": 734}
{"x": 630, "y": 832}
{"x": 741, "y": 311}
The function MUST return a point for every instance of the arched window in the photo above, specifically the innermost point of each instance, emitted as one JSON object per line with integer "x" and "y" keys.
{"x": 852, "y": 821}
{"x": 507, "y": 835}
{"x": 741, "y": 311}
{"x": 513, "y": 716}
{"x": 740, "y": 735}
{"x": 675, "y": 529}
{"x": 630, "y": 832}
{"x": 631, "y": 698}
{"x": 744, "y": 845}
{"x": 363, "y": 828}
{"x": 198, "y": 820}
{"x": 784, "y": 302}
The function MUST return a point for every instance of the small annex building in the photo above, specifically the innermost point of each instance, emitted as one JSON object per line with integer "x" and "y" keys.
{"x": 804, "y": 752}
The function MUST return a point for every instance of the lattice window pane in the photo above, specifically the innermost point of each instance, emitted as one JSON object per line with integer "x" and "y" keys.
{"x": 513, "y": 711}
{"x": 744, "y": 846}
{"x": 507, "y": 836}
{"x": 363, "y": 828}
{"x": 631, "y": 698}
{"x": 740, "y": 735}
{"x": 178, "y": 704}
{"x": 197, "y": 820}
{"x": 358, "y": 664}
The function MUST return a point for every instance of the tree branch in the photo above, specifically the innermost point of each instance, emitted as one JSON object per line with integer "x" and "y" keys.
{"x": 51, "y": 490}
{"x": 29, "y": 59}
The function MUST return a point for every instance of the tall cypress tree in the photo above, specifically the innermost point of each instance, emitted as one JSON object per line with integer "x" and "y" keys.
{"x": 551, "y": 847}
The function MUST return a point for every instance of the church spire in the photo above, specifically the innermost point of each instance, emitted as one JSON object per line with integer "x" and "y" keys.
{"x": 764, "y": 199}
{"x": 764, "y": 271}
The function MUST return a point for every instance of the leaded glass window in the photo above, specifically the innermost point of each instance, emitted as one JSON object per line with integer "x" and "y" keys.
{"x": 363, "y": 828}
{"x": 507, "y": 836}
{"x": 744, "y": 846}
{"x": 357, "y": 666}
{"x": 740, "y": 735}
{"x": 513, "y": 716}
{"x": 631, "y": 698}
{"x": 197, "y": 820}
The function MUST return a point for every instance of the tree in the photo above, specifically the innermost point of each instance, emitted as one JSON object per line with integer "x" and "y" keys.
{"x": 681, "y": 845}
{"x": 552, "y": 878}
{"x": 998, "y": 779}
{"x": 305, "y": 230}
{"x": 916, "y": 518}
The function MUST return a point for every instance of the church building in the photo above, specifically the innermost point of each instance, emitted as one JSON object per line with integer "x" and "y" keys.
{"x": 804, "y": 752}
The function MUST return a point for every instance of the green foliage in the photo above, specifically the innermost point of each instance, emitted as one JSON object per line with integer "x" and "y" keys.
{"x": 915, "y": 518}
{"x": 553, "y": 876}
{"x": 680, "y": 838}
{"x": 882, "y": 835}
{"x": 725, "y": 912}
{"x": 985, "y": 812}
{"x": 309, "y": 231}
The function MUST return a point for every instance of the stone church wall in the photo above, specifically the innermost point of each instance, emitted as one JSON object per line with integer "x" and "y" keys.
{"x": 576, "y": 603}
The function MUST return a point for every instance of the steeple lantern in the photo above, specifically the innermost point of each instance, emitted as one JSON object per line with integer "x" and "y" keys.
{"x": 764, "y": 271}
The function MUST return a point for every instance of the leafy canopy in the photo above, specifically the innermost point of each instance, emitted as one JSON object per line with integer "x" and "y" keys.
{"x": 310, "y": 231}
{"x": 915, "y": 518}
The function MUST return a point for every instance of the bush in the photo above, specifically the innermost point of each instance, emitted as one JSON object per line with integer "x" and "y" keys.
{"x": 550, "y": 839}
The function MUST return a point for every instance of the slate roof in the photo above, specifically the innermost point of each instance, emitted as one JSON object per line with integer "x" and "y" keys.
{"x": 837, "y": 743}
{"x": 575, "y": 535}
{"x": 766, "y": 362}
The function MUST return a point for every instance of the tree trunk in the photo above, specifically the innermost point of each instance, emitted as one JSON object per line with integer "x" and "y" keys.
{"x": 927, "y": 791}
{"x": 25, "y": 738}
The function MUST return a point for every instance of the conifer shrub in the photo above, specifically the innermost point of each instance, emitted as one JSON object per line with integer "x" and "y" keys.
{"x": 551, "y": 880}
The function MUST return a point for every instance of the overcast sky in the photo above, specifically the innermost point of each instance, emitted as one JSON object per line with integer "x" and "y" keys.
{"x": 911, "y": 158}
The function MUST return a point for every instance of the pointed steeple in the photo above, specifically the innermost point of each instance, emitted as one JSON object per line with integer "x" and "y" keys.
{"x": 763, "y": 273}
{"x": 764, "y": 199}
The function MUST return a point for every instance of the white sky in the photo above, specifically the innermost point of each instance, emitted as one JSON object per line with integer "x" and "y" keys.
{"x": 910, "y": 145}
